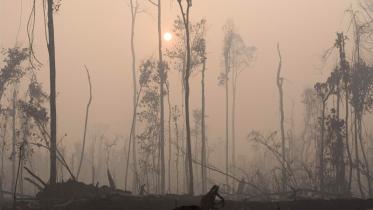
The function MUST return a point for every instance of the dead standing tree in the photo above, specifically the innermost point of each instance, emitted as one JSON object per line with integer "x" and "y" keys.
{"x": 148, "y": 112}
{"x": 134, "y": 11}
{"x": 345, "y": 70}
{"x": 14, "y": 137}
{"x": 323, "y": 91}
{"x": 361, "y": 89}
{"x": 162, "y": 74}
{"x": 134, "y": 6}
{"x": 178, "y": 55}
{"x": 282, "y": 117}
{"x": 142, "y": 80}
{"x": 52, "y": 100}
{"x": 203, "y": 131}
{"x": 185, "y": 14}
{"x": 198, "y": 55}
{"x": 169, "y": 135}
{"x": 11, "y": 73}
{"x": 161, "y": 98}
{"x": 175, "y": 117}
{"x": 241, "y": 58}
{"x": 85, "y": 122}
{"x": 223, "y": 80}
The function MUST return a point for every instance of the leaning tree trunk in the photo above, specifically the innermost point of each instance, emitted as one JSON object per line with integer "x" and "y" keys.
{"x": 52, "y": 97}
{"x": 85, "y": 123}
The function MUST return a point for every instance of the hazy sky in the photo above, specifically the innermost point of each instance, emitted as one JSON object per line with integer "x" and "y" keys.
{"x": 96, "y": 33}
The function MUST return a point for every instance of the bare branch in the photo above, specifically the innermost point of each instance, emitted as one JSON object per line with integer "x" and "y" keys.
{"x": 36, "y": 177}
{"x": 153, "y": 3}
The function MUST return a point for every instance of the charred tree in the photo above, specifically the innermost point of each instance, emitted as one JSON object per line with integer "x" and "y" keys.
{"x": 169, "y": 136}
{"x": 52, "y": 99}
{"x": 161, "y": 97}
{"x": 203, "y": 132}
{"x": 323, "y": 92}
{"x": 85, "y": 123}
{"x": 341, "y": 174}
{"x": 282, "y": 118}
{"x": 134, "y": 12}
{"x": 175, "y": 117}
{"x": 224, "y": 80}
{"x": 185, "y": 15}
{"x": 14, "y": 138}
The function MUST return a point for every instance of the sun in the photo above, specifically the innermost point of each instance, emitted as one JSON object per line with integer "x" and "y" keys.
{"x": 167, "y": 36}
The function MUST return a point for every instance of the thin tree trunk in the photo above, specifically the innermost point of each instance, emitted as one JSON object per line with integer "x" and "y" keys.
{"x": 183, "y": 141}
{"x": 130, "y": 141}
{"x": 195, "y": 155}
{"x": 185, "y": 16}
{"x": 234, "y": 94}
{"x": 203, "y": 131}
{"x": 358, "y": 173}
{"x": 85, "y": 123}
{"x": 2, "y": 162}
{"x": 53, "y": 109}
{"x": 177, "y": 154}
{"x": 366, "y": 162}
{"x": 169, "y": 137}
{"x": 347, "y": 134}
{"x": 161, "y": 89}
{"x": 227, "y": 69}
{"x": 233, "y": 128}
{"x": 93, "y": 170}
{"x": 344, "y": 70}
{"x": 321, "y": 170}
{"x": 14, "y": 139}
{"x": 282, "y": 118}
{"x": 22, "y": 154}
{"x": 134, "y": 10}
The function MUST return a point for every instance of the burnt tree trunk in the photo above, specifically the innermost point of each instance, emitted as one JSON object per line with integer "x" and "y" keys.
{"x": 161, "y": 95}
{"x": 185, "y": 16}
{"x": 85, "y": 123}
{"x": 134, "y": 10}
{"x": 203, "y": 131}
{"x": 282, "y": 118}
{"x": 52, "y": 97}
{"x": 14, "y": 139}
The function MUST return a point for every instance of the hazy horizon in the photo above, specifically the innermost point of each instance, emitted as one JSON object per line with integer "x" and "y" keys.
{"x": 97, "y": 34}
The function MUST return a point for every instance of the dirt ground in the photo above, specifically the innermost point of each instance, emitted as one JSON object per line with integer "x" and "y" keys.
{"x": 170, "y": 202}
{"x": 79, "y": 196}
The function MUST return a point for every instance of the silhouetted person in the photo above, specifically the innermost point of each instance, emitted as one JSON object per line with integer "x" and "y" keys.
{"x": 209, "y": 201}
{"x": 142, "y": 190}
